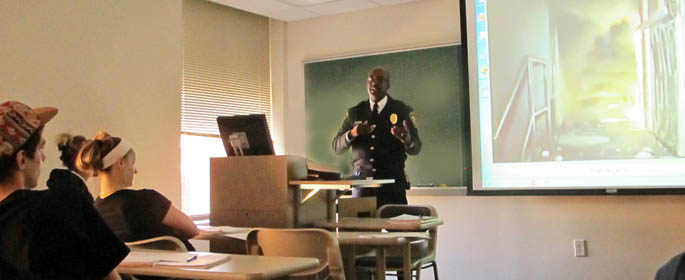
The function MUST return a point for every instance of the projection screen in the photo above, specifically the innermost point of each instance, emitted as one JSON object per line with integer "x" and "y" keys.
{"x": 576, "y": 94}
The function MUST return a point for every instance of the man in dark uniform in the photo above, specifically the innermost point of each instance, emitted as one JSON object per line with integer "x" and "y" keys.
{"x": 381, "y": 132}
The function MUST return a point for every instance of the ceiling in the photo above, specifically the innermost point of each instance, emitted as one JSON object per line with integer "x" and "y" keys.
{"x": 291, "y": 10}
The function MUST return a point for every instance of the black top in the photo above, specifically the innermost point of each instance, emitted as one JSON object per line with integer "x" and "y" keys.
{"x": 61, "y": 179}
{"x": 137, "y": 214}
{"x": 379, "y": 155}
{"x": 55, "y": 235}
{"x": 674, "y": 269}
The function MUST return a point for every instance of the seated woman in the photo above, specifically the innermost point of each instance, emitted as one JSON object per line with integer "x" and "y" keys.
{"x": 75, "y": 176}
{"x": 131, "y": 214}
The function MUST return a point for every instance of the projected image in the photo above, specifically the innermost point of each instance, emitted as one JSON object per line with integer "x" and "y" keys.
{"x": 586, "y": 79}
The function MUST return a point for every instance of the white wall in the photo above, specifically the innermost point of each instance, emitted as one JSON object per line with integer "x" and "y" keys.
{"x": 530, "y": 237}
{"x": 504, "y": 237}
{"x": 106, "y": 64}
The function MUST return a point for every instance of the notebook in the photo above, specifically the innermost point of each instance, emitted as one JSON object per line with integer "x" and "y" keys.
{"x": 177, "y": 259}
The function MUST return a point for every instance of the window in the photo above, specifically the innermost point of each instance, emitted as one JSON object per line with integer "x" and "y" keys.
{"x": 225, "y": 72}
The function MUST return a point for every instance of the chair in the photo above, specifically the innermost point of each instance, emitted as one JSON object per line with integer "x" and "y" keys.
{"x": 357, "y": 207}
{"x": 422, "y": 251}
{"x": 168, "y": 243}
{"x": 310, "y": 243}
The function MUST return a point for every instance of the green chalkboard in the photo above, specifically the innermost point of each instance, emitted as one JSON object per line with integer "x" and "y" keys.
{"x": 431, "y": 81}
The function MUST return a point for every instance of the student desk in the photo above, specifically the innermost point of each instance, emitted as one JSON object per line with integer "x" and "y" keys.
{"x": 380, "y": 241}
{"x": 349, "y": 223}
{"x": 349, "y": 241}
{"x": 353, "y": 239}
{"x": 237, "y": 267}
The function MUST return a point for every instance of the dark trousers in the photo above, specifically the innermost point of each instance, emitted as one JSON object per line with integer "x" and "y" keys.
{"x": 387, "y": 194}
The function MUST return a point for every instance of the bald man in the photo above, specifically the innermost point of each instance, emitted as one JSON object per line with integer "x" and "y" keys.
{"x": 381, "y": 132}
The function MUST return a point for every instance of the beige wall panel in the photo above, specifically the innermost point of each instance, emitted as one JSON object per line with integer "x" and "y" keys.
{"x": 106, "y": 64}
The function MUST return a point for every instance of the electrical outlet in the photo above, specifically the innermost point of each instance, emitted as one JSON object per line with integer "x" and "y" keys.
{"x": 579, "y": 249}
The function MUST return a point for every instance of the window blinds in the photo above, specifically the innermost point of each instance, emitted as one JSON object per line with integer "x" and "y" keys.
{"x": 225, "y": 66}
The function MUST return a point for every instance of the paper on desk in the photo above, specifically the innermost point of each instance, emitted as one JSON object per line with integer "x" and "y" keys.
{"x": 178, "y": 259}
{"x": 238, "y": 235}
{"x": 225, "y": 229}
{"x": 407, "y": 217}
{"x": 201, "y": 261}
{"x": 155, "y": 257}
{"x": 421, "y": 235}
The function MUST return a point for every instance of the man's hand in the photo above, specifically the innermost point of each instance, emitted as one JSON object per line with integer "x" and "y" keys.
{"x": 401, "y": 132}
{"x": 362, "y": 129}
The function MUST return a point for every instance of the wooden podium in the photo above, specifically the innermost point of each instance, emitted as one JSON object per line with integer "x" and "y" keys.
{"x": 254, "y": 191}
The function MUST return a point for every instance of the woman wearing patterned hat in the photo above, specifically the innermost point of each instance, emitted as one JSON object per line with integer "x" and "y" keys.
{"x": 132, "y": 214}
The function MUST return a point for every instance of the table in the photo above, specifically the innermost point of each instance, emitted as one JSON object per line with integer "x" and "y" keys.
{"x": 380, "y": 223}
{"x": 380, "y": 241}
{"x": 222, "y": 232}
{"x": 338, "y": 186}
{"x": 237, "y": 267}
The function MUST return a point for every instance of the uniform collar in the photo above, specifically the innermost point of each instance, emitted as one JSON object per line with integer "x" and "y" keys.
{"x": 381, "y": 104}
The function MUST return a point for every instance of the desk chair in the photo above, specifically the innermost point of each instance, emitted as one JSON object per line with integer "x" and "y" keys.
{"x": 311, "y": 243}
{"x": 422, "y": 251}
{"x": 169, "y": 243}
{"x": 357, "y": 207}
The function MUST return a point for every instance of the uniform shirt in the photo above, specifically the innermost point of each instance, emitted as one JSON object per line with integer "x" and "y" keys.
{"x": 379, "y": 155}
{"x": 61, "y": 179}
{"x": 55, "y": 235}
{"x": 137, "y": 214}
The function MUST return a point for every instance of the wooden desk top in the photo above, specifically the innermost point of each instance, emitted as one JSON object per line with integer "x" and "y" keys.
{"x": 378, "y": 238}
{"x": 341, "y": 184}
{"x": 380, "y": 223}
{"x": 237, "y": 267}
{"x": 222, "y": 232}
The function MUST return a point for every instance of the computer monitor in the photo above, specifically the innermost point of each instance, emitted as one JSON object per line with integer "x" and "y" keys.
{"x": 245, "y": 135}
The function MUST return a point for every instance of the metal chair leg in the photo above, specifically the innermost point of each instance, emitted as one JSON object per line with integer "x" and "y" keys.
{"x": 435, "y": 270}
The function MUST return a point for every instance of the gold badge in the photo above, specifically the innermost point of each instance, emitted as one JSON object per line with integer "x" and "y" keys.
{"x": 393, "y": 118}
{"x": 412, "y": 117}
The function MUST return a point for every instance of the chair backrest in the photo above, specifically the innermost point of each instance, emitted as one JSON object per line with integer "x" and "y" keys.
{"x": 357, "y": 207}
{"x": 169, "y": 243}
{"x": 393, "y": 210}
{"x": 310, "y": 243}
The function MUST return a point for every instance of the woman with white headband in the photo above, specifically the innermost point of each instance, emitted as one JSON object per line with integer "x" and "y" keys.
{"x": 131, "y": 214}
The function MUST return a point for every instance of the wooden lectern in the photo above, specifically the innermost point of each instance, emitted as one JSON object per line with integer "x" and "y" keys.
{"x": 254, "y": 191}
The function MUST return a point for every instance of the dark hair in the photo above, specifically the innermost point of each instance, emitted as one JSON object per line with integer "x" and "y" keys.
{"x": 8, "y": 164}
{"x": 95, "y": 151}
{"x": 69, "y": 146}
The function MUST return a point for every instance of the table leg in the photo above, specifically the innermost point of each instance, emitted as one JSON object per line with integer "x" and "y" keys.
{"x": 380, "y": 263}
{"x": 332, "y": 206}
{"x": 406, "y": 261}
{"x": 349, "y": 253}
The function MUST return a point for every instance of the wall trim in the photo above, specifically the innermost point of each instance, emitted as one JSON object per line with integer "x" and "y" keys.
{"x": 377, "y": 52}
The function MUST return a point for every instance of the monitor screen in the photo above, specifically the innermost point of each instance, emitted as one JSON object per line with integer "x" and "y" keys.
{"x": 245, "y": 135}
